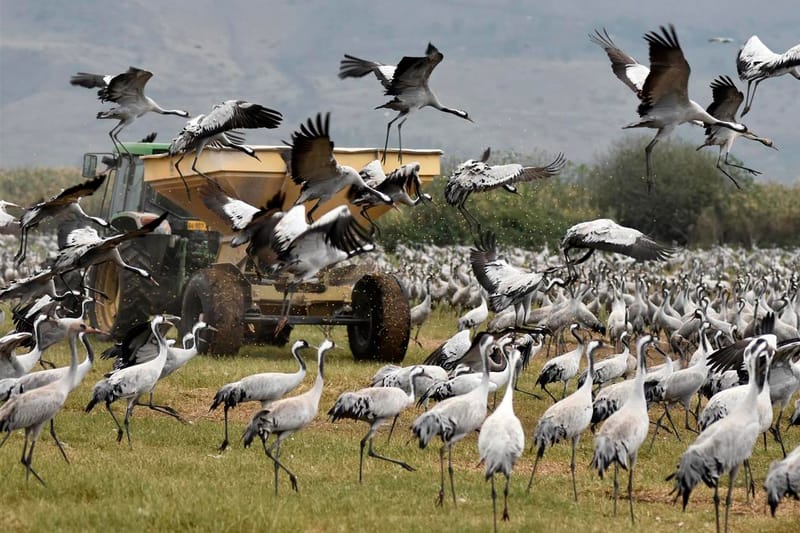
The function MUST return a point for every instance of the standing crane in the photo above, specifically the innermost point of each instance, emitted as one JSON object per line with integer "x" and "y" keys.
{"x": 563, "y": 367}
{"x": 477, "y": 176}
{"x": 286, "y": 416}
{"x": 723, "y": 447}
{"x": 501, "y": 440}
{"x": 375, "y": 405}
{"x": 783, "y": 479}
{"x": 216, "y": 130}
{"x": 619, "y": 438}
{"x": 453, "y": 419}
{"x": 315, "y": 169}
{"x": 127, "y": 91}
{"x": 265, "y": 388}
{"x": 663, "y": 93}
{"x": 727, "y": 99}
{"x": 567, "y": 419}
{"x": 755, "y": 63}
{"x": 407, "y": 83}
{"x": 422, "y": 311}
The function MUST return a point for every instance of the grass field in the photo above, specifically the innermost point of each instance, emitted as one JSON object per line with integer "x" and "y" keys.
{"x": 174, "y": 478}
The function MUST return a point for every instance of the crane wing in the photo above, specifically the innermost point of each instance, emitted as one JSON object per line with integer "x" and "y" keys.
{"x": 727, "y": 99}
{"x": 342, "y": 231}
{"x": 752, "y": 57}
{"x": 478, "y": 176}
{"x": 72, "y": 194}
{"x": 10, "y": 342}
{"x": 669, "y": 71}
{"x": 126, "y": 87}
{"x": 413, "y": 72}
{"x": 235, "y": 114}
{"x": 354, "y": 67}
{"x": 627, "y": 69}
{"x": 606, "y": 235}
{"x": 312, "y": 151}
{"x": 790, "y": 58}
{"x": 115, "y": 240}
{"x": 239, "y": 213}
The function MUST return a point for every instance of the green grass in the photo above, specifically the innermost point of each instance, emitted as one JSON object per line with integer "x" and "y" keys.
{"x": 174, "y": 479}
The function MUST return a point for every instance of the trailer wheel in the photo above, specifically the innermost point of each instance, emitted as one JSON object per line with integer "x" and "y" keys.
{"x": 379, "y": 299}
{"x": 129, "y": 296}
{"x": 220, "y": 298}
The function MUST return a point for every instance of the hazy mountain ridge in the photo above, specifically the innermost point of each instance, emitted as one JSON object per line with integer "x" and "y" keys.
{"x": 526, "y": 73}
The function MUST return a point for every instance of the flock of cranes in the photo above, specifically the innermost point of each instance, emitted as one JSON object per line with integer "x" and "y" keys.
{"x": 751, "y": 315}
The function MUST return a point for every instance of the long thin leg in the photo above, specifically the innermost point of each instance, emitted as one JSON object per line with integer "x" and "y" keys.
{"x": 655, "y": 433}
{"x": 544, "y": 387}
{"x": 505, "y": 499}
{"x": 671, "y": 423}
{"x": 616, "y": 486}
{"x": 225, "y": 440}
{"x": 361, "y": 454}
{"x": 440, "y": 499}
{"x": 564, "y": 392}
{"x": 388, "y": 129}
{"x": 686, "y": 418}
{"x": 752, "y": 96}
{"x": 647, "y": 152}
{"x": 450, "y": 471}
{"x": 400, "y": 140}
{"x": 630, "y": 489}
{"x": 127, "y": 421}
{"x": 292, "y": 477}
{"x": 391, "y": 429}
{"x": 274, "y": 464}
{"x": 58, "y": 442}
{"x": 372, "y": 453}
{"x": 749, "y": 481}
{"x": 494, "y": 504}
{"x": 29, "y": 461}
{"x": 533, "y": 472}
{"x": 311, "y": 211}
{"x": 165, "y": 409}
{"x": 572, "y": 468}
{"x": 728, "y": 496}
{"x": 8, "y": 434}
{"x": 776, "y": 431}
{"x": 197, "y": 171}
{"x": 114, "y": 417}
{"x": 750, "y": 170}
{"x": 716, "y": 503}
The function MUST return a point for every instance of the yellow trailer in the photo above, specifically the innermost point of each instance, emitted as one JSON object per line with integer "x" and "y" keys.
{"x": 198, "y": 271}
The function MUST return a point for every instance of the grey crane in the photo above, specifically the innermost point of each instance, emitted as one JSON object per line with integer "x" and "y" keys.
{"x": 376, "y": 405}
{"x": 61, "y": 204}
{"x": 606, "y": 235}
{"x": 476, "y": 316}
{"x": 609, "y": 369}
{"x": 563, "y": 367}
{"x": 265, "y": 388}
{"x": 618, "y": 440}
{"x": 783, "y": 479}
{"x": 727, "y": 99}
{"x": 216, "y": 129}
{"x": 451, "y": 351}
{"x": 723, "y": 447}
{"x": 398, "y": 185}
{"x": 315, "y": 169}
{"x": 756, "y": 63}
{"x": 84, "y": 248}
{"x": 506, "y": 284}
{"x": 664, "y": 100}
{"x": 407, "y": 83}
{"x": 9, "y": 224}
{"x": 477, "y": 176}
{"x": 286, "y": 416}
{"x": 567, "y": 419}
{"x": 127, "y": 91}
{"x": 132, "y": 382}
{"x": 501, "y": 440}
{"x": 453, "y": 419}
{"x": 33, "y": 409}
{"x": 14, "y": 366}
{"x": 30, "y": 288}
{"x": 422, "y": 311}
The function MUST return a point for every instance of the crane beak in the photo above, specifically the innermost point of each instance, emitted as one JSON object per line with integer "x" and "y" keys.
{"x": 95, "y": 331}
{"x": 775, "y": 148}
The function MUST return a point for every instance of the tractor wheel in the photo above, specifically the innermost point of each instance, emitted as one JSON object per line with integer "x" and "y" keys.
{"x": 379, "y": 299}
{"x": 219, "y": 297}
{"x": 130, "y": 298}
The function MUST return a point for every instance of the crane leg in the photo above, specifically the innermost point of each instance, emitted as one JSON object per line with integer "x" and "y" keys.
{"x": 386, "y": 143}
{"x": 630, "y": 490}
{"x": 494, "y": 504}
{"x": 311, "y": 212}
{"x": 549, "y": 393}
{"x": 371, "y": 452}
{"x": 28, "y": 462}
{"x": 450, "y": 471}
{"x": 58, "y": 442}
{"x": 728, "y": 497}
{"x": 647, "y": 153}
{"x": 749, "y": 103}
{"x": 686, "y": 418}
{"x": 749, "y": 482}
{"x": 23, "y": 243}
{"x": 616, "y": 486}
{"x": 164, "y": 409}
{"x": 776, "y": 432}
{"x": 127, "y": 420}
{"x": 572, "y": 468}
{"x": 671, "y": 423}
{"x": 276, "y": 459}
{"x": 539, "y": 455}
{"x": 8, "y": 434}
{"x": 400, "y": 140}
{"x": 114, "y": 417}
{"x": 564, "y": 392}
{"x": 440, "y": 499}
{"x": 716, "y": 503}
{"x": 391, "y": 429}
{"x": 505, "y": 500}
{"x": 225, "y": 440}
{"x": 719, "y": 166}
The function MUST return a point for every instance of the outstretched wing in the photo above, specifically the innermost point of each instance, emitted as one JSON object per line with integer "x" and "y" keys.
{"x": 413, "y": 72}
{"x": 727, "y": 99}
{"x": 238, "y": 212}
{"x": 627, "y": 69}
{"x": 354, "y": 67}
{"x": 312, "y": 151}
{"x": 126, "y": 87}
{"x": 72, "y": 194}
{"x": 607, "y": 235}
{"x": 236, "y": 114}
{"x": 669, "y": 70}
{"x": 752, "y": 57}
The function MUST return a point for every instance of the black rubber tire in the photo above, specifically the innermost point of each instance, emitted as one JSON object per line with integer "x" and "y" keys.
{"x": 131, "y": 298}
{"x": 219, "y": 296}
{"x": 380, "y": 299}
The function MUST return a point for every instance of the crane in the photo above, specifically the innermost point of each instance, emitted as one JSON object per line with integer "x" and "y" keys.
{"x": 663, "y": 93}
{"x": 398, "y": 185}
{"x": 727, "y": 99}
{"x": 407, "y": 83}
{"x": 375, "y": 405}
{"x": 127, "y": 91}
{"x": 567, "y": 419}
{"x": 606, "y": 235}
{"x": 783, "y": 479}
{"x": 314, "y": 168}
{"x": 618, "y": 440}
{"x": 501, "y": 440}
{"x": 286, "y": 416}
{"x": 216, "y": 130}
{"x": 563, "y": 367}
{"x": 265, "y": 388}
{"x": 477, "y": 176}
{"x": 453, "y": 419}
{"x": 755, "y": 63}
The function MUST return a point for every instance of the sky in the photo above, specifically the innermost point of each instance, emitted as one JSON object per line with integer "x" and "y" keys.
{"x": 525, "y": 71}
